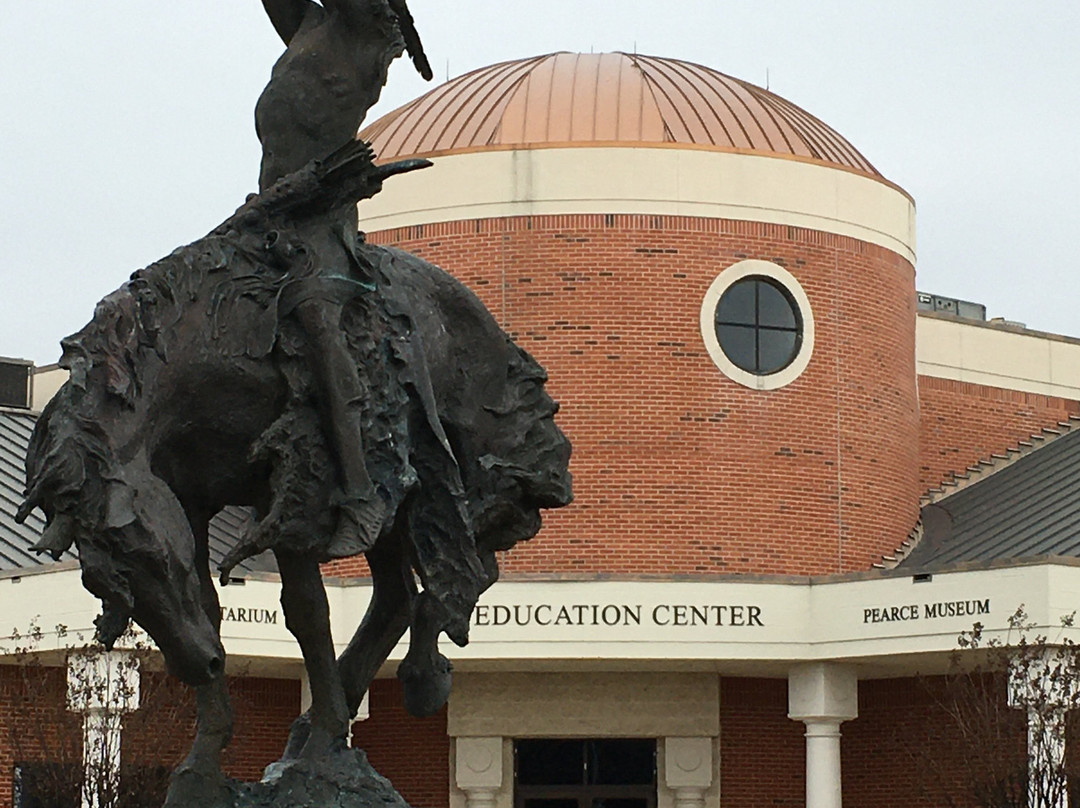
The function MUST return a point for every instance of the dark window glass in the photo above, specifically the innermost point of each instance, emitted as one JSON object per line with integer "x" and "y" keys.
{"x": 758, "y": 325}
{"x": 620, "y": 802}
{"x": 621, "y": 761}
{"x": 775, "y": 309}
{"x": 740, "y": 345}
{"x": 776, "y": 348}
{"x": 550, "y": 802}
{"x": 14, "y": 385}
{"x": 545, "y": 762}
{"x": 737, "y": 305}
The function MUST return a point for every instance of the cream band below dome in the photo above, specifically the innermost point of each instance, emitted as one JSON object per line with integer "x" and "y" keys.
{"x": 677, "y": 181}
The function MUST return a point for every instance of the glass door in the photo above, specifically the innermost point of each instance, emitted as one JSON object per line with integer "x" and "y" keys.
{"x": 585, "y": 773}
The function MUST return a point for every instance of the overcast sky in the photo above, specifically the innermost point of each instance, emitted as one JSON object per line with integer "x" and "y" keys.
{"x": 126, "y": 125}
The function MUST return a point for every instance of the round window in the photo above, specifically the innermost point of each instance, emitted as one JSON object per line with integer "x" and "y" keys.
{"x": 757, "y": 325}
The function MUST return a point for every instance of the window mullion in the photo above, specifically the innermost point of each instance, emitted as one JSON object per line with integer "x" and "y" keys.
{"x": 757, "y": 326}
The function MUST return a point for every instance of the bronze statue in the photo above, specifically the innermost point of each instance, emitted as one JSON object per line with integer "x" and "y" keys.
{"x": 357, "y": 398}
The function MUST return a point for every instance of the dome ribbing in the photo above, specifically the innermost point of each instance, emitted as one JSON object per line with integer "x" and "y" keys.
{"x": 612, "y": 99}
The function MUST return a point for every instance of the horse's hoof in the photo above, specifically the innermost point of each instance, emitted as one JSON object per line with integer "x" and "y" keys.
{"x": 193, "y": 783}
{"x": 426, "y": 688}
{"x": 322, "y": 744}
{"x": 306, "y": 742}
{"x": 298, "y": 737}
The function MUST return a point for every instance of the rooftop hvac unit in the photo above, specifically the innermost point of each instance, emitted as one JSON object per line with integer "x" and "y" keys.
{"x": 16, "y": 378}
{"x": 950, "y": 305}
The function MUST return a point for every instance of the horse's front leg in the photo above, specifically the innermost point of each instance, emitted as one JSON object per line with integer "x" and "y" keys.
{"x": 384, "y": 623}
{"x": 199, "y": 779}
{"x": 425, "y": 674}
{"x": 214, "y": 726}
{"x": 307, "y": 616}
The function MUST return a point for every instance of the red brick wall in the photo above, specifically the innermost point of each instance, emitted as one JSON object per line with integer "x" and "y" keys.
{"x": 762, "y": 751}
{"x": 905, "y": 751}
{"x": 33, "y": 707}
{"x": 265, "y": 709}
{"x": 162, "y": 731}
{"x": 888, "y": 750}
{"x": 963, "y": 423}
{"x": 35, "y": 726}
{"x": 159, "y": 734}
{"x": 413, "y": 753}
{"x": 677, "y": 468}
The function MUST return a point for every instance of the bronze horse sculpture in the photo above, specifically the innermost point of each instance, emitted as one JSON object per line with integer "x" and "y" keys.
{"x": 190, "y": 390}
{"x": 205, "y": 382}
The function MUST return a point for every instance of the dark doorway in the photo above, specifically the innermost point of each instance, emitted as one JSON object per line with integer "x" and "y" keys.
{"x": 585, "y": 773}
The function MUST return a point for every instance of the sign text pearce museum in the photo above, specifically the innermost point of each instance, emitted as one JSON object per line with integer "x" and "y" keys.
{"x": 927, "y": 611}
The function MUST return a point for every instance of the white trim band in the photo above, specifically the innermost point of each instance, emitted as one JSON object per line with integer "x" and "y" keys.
{"x": 656, "y": 181}
{"x": 886, "y": 621}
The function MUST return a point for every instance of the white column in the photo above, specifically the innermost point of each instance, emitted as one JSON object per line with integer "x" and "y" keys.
{"x": 822, "y": 696}
{"x": 479, "y": 770}
{"x": 688, "y": 769}
{"x": 1046, "y": 688}
{"x": 103, "y": 687}
{"x": 823, "y": 764}
{"x": 1048, "y": 786}
{"x": 101, "y": 757}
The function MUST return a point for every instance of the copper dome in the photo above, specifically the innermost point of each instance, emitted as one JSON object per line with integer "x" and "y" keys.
{"x": 612, "y": 99}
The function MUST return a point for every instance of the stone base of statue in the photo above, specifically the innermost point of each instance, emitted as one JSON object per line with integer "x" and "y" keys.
{"x": 343, "y": 779}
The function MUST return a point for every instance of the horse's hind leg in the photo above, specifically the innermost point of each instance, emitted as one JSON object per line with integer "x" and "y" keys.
{"x": 307, "y": 616}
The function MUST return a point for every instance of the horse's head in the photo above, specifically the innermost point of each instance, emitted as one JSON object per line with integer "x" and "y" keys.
{"x": 136, "y": 547}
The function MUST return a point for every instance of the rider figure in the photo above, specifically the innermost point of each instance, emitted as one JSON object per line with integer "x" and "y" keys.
{"x": 333, "y": 69}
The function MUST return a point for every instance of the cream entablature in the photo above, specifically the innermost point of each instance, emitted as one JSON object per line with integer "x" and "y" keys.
{"x": 867, "y": 619}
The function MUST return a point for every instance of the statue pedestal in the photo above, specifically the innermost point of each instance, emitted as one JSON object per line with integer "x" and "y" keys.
{"x": 343, "y": 779}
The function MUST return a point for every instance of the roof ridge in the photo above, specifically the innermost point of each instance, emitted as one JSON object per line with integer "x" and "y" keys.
{"x": 889, "y": 562}
{"x": 996, "y": 461}
{"x": 983, "y": 469}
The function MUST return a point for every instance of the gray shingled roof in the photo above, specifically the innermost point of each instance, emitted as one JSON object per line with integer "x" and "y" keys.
{"x": 16, "y": 540}
{"x": 1029, "y": 508}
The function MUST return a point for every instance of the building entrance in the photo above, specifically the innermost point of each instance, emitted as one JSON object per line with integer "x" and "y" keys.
{"x": 584, "y": 773}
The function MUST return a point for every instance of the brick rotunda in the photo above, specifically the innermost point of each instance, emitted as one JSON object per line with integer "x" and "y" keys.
{"x": 601, "y": 205}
